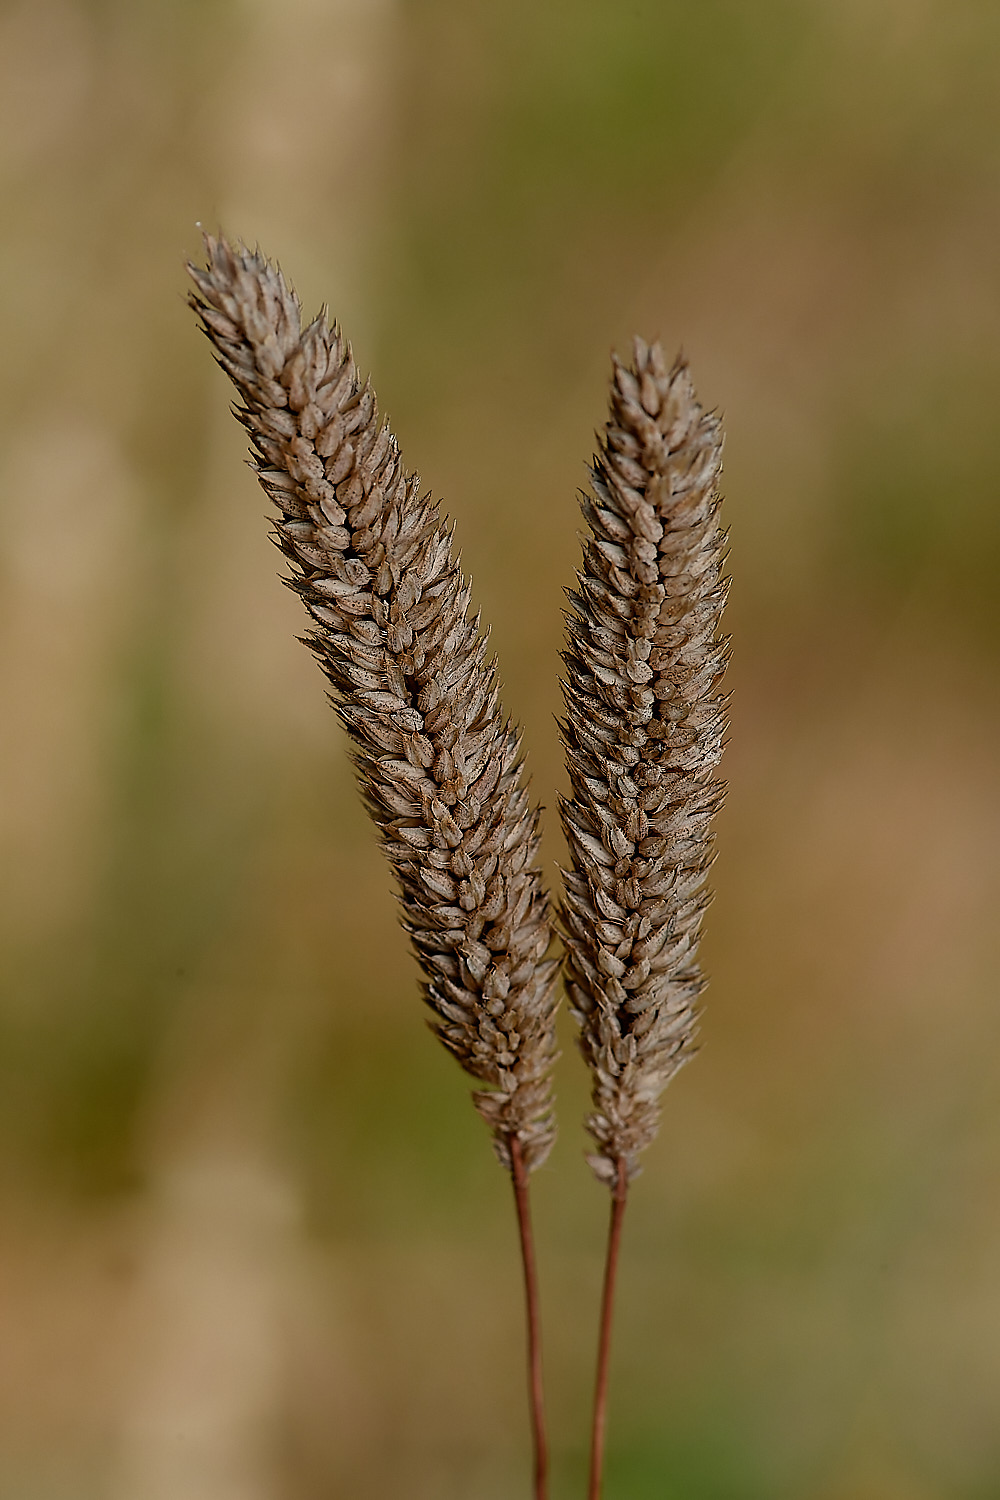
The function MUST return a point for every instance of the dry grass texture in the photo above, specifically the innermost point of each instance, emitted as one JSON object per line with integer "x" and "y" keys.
{"x": 413, "y": 686}
{"x": 439, "y": 768}
{"x": 643, "y": 734}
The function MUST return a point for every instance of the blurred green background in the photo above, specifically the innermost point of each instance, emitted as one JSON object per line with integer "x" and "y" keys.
{"x": 253, "y": 1245}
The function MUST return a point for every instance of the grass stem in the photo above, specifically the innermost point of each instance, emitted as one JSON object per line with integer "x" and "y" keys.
{"x": 619, "y": 1193}
{"x": 536, "y": 1396}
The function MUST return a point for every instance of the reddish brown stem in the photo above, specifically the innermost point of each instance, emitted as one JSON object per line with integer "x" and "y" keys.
{"x": 535, "y": 1390}
{"x": 618, "y": 1196}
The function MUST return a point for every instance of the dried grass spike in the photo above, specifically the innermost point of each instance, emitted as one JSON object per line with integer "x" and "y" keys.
{"x": 643, "y": 734}
{"x": 439, "y": 767}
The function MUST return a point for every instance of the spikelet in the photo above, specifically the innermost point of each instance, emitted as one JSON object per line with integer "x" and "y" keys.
{"x": 643, "y": 735}
{"x": 438, "y": 766}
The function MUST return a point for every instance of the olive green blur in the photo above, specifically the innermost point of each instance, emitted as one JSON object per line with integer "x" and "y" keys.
{"x": 253, "y": 1241}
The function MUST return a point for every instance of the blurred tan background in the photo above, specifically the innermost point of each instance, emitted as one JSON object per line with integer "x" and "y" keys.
{"x": 253, "y": 1245}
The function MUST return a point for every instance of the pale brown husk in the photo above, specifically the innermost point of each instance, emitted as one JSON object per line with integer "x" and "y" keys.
{"x": 438, "y": 765}
{"x": 643, "y": 735}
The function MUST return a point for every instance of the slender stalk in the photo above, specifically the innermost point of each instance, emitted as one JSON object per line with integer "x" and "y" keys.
{"x": 536, "y": 1395}
{"x": 619, "y": 1194}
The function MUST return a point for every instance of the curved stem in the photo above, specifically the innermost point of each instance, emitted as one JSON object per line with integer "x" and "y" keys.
{"x": 535, "y": 1390}
{"x": 618, "y": 1196}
